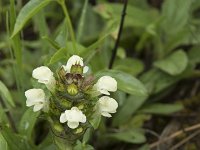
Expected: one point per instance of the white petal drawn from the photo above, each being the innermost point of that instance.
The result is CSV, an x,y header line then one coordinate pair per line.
x,y
106,114
35,94
43,74
63,118
51,83
113,105
75,115
107,104
83,119
85,69
75,108
30,103
75,59
72,125
64,67
103,91
37,107
106,83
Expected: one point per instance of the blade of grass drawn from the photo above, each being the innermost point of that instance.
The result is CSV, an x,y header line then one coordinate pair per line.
x,y
15,49
82,21
69,24
42,27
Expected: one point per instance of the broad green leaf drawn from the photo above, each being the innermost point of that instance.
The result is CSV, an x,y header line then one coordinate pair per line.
x,y
3,143
5,94
174,64
162,109
175,15
194,55
135,136
138,120
27,122
27,12
156,80
129,65
134,17
125,82
87,135
95,119
129,106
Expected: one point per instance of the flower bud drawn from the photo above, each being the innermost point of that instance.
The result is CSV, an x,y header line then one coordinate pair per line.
x,y
78,130
76,69
66,104
58,127
72,89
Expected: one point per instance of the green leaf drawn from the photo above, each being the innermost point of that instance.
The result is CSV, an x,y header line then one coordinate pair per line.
x,y
82,21
180,9
125,82
95,119
135,136
87,135
27,123
174,64
3,143
27,12
135,16
95,45
53,43
5,94
129,65
130,105
194,54
60,54
162,109
15,141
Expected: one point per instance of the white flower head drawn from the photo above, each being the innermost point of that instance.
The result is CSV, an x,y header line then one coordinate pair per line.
x,y
44,75
36,98
73,117
106,84
107,105
73,60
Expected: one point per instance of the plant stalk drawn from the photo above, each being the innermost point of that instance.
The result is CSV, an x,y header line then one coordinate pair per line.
x,y
114,52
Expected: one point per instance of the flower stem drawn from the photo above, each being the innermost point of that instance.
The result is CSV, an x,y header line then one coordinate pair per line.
x,y
114,52
69,23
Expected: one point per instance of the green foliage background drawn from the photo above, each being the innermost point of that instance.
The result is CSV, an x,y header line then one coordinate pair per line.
x,y
157,65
